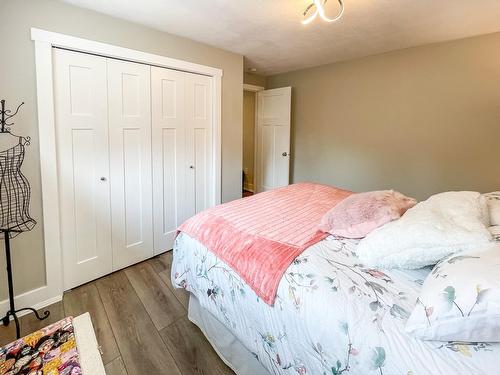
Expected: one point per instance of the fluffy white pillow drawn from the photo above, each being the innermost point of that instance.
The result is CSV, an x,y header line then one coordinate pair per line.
x,y
442,225
493,200
460,299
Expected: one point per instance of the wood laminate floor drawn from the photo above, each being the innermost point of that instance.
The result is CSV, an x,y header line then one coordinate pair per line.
x,y
140,322
246,193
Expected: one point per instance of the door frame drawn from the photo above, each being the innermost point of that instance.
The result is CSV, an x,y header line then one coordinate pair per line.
x,y
44,42
255,89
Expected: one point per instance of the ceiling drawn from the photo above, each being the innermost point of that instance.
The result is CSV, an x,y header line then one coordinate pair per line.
x,y
272,39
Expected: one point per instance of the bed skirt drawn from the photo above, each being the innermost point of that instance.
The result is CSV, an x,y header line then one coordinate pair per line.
x,y
227,346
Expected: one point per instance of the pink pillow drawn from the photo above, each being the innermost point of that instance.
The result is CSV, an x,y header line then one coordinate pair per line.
x,y
359,214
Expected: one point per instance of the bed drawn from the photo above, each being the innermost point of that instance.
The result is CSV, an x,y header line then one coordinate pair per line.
x,y
331,315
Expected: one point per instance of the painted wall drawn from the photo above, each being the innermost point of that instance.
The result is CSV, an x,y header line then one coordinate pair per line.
x,y
421,120
254,79
248,138
17,83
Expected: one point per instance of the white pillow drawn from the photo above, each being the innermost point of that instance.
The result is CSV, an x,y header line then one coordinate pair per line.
x,y
442,225
493,200
460,299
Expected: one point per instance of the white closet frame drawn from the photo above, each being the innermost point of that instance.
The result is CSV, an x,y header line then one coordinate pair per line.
x,y
44,42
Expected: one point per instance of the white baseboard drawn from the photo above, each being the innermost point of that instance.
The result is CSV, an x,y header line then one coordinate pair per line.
x,y
33,298
248,187
50,301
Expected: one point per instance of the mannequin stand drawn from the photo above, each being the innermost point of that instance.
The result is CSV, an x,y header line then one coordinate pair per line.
x,y
12,309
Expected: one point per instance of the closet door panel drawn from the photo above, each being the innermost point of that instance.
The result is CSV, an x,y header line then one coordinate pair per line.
x,y
81,116
168,149
199,142
201,157
132,187
130,161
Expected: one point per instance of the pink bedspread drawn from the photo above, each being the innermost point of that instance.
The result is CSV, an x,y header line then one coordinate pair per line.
x,y
261,235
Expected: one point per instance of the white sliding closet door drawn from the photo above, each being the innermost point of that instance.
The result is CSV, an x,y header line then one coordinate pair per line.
x,y
81,116
130,161
199,143
182,150
169,162
135,159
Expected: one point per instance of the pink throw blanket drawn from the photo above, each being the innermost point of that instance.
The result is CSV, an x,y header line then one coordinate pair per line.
x,y
260,236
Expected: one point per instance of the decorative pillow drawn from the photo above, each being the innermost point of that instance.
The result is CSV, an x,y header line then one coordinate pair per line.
x,y
460,299
359,214
493,200
442,225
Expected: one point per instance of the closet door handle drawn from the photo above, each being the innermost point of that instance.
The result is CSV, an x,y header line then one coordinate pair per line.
x,y
103,178
191,167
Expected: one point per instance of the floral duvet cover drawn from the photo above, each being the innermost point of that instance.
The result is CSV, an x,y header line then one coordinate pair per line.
x,y
331,315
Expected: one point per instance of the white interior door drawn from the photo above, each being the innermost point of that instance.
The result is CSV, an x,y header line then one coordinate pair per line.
x,y
199,143
169,149
272,147
81,116
130,160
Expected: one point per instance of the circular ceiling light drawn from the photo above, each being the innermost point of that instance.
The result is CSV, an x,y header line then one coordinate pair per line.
x,y
317,7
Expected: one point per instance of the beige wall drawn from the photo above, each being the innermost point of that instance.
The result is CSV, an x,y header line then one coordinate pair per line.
x,y
254,79
17,83
248,137
420,120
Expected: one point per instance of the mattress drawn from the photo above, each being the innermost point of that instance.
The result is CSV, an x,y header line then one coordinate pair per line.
x,y
88,348
331,315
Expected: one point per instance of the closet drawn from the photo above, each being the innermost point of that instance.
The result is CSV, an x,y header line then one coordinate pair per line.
x,y
134,159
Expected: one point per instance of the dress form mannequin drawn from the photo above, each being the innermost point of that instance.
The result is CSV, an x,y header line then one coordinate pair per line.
x,y
7,140
14,203
14,187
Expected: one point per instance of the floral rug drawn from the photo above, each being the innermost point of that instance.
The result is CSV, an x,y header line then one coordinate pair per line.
x,y
49,351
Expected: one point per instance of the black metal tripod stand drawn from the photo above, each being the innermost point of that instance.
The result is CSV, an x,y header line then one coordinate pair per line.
x,y
12,309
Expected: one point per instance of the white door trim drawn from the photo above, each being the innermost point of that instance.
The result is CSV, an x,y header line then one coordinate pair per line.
x,y
44,41
252,88
109,50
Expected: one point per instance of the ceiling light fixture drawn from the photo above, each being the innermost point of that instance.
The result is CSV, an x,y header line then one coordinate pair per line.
x,y
317,7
